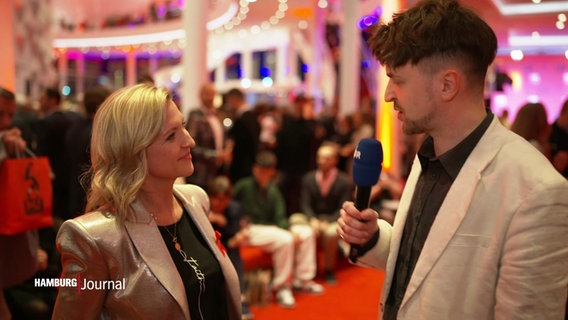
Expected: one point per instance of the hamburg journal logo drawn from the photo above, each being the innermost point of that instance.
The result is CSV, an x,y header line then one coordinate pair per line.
x,y
82,284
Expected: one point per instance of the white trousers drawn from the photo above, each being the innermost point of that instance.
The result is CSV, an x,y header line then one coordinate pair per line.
x,y
288,259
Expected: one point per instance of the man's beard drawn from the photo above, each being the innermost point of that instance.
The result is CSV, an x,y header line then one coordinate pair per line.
x,y
419,126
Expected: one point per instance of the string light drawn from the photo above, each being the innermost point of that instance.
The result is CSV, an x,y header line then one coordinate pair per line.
x,y
244,9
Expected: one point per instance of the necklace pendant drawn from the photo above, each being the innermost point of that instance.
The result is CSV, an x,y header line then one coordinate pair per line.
x,y
177,246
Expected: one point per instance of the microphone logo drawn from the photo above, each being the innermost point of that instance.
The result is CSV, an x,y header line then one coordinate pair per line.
x,y
357,154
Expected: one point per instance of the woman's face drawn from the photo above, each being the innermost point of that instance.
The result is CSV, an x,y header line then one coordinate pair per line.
x,y
169,155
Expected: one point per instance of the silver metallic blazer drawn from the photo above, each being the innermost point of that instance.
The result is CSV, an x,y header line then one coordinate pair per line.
x,y
129,266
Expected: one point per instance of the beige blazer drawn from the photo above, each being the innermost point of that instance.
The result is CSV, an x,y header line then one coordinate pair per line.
x,y
498,246
97,247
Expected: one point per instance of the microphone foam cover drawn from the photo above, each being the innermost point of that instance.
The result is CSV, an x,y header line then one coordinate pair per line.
x,y
367,162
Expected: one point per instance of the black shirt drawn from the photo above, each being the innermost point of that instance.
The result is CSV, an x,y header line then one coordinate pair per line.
x,y
436,178
201,273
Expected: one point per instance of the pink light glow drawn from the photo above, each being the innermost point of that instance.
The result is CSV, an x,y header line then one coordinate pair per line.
x,y
543,77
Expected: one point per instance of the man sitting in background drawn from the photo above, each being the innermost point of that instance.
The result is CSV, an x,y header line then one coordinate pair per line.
x,y
323,192
293,248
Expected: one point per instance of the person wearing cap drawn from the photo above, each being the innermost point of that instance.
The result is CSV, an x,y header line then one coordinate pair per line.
x,y
292,245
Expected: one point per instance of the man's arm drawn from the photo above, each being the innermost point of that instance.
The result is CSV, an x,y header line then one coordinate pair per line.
x,y
533,275
279,206
306,197
11,143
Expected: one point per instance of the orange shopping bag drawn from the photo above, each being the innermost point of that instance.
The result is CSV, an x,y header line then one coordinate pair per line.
x,y
25,195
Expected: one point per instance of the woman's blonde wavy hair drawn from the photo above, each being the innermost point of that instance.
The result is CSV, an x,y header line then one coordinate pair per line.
x,y
124,126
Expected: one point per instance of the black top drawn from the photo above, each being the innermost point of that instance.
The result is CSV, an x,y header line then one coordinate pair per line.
x,y
200,271
436,178
246,137
559,142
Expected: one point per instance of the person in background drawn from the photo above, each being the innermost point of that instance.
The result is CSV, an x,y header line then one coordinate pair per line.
x,y
559,141
243,138
324,190
269,119
293,247
296,137
20,256
205,127
25,119
385,195
480,231
531,123
78,140
146,244
227,218
11,141
342,137
51,132
504,118
146,78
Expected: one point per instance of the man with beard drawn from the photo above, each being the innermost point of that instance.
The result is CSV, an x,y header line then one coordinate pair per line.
x,y
480,232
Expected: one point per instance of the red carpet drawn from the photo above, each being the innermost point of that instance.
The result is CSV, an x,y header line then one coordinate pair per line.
x,y
356,296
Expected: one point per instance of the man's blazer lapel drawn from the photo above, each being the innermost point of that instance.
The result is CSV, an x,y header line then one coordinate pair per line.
x,y
148,241
398,225
454,208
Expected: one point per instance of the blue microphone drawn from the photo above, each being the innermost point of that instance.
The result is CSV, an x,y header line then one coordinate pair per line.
x,y
367,166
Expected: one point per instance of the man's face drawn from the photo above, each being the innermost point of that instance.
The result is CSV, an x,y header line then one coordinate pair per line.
x,y
207,96
7,110
219,202
263,175
326,159
410,89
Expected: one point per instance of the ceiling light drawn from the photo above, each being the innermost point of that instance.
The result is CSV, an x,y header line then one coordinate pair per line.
x,y
245,83
517,55
255,29
530,8
523,41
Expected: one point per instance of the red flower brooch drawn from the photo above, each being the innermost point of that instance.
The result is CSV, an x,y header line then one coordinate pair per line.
x,y
219,244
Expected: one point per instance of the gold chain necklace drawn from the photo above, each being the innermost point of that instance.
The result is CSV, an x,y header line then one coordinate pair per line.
x,y
177,245
192,262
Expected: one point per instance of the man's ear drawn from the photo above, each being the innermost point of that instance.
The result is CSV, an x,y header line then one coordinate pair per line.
x,y
451,81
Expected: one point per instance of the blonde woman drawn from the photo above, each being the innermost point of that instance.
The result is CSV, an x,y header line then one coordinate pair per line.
x,y
145,249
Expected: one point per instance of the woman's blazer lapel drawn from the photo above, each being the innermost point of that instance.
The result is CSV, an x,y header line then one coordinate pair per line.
x,y
147,239
196,202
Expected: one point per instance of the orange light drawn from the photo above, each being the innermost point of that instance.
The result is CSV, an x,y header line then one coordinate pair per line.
x,y
385,134
303,12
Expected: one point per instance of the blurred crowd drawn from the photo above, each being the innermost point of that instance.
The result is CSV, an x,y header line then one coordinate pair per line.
x,y
309,150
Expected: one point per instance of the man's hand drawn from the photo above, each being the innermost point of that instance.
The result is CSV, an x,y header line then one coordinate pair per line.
x,y
13,142
356,227
41,260
217,218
